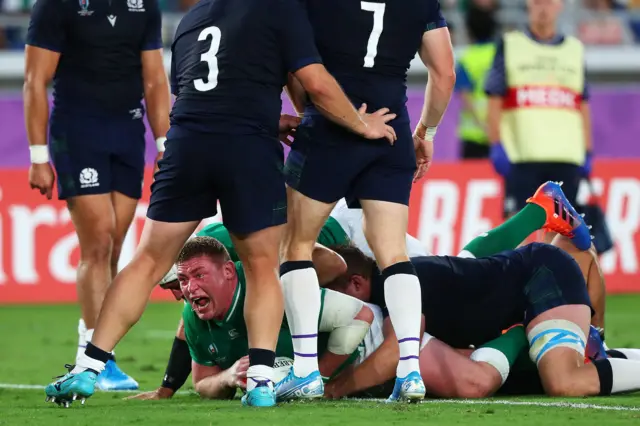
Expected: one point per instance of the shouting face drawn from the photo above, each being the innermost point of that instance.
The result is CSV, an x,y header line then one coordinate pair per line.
x,y
208,286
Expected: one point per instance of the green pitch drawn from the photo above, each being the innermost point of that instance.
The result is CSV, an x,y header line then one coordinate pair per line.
x,y
38,340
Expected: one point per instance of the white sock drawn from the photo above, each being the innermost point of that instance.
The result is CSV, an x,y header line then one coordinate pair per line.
x,y
302,306
259,373
82,339
626,375
83,362
404,301
632,354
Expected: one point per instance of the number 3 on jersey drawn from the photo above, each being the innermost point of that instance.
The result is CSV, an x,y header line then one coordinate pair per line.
x,y
378,27
210,58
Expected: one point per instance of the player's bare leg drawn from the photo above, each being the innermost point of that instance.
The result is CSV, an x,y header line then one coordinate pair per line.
x,y
305,218
385,226
590,266
557,339
263,308
124,304
123,208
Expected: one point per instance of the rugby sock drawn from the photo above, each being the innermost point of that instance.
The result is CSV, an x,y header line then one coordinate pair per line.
x,y
93,358
82,339
502,352
260,367
302,306
618,375
508,235
403,297
632,354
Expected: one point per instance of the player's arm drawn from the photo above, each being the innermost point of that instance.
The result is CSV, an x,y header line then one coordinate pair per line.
x,y
328,264
212,382
45,42
177,372
375,370
436,53
297,94
304,62
156,85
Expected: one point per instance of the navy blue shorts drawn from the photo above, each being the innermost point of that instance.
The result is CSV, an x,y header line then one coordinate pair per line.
x,y
97,155
327,163
471,301
243,173
524,179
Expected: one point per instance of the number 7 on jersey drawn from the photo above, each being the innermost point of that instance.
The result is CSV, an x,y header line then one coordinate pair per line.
x,y
378,27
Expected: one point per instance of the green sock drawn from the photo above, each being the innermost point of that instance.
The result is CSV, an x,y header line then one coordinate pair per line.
x,y
510,344
501,353
510,234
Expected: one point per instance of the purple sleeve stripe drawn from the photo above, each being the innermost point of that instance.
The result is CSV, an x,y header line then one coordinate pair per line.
x,y
409,339
304,336
305,355
404,358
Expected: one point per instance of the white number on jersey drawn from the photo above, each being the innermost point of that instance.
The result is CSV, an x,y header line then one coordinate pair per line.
x,y
210,58
378,27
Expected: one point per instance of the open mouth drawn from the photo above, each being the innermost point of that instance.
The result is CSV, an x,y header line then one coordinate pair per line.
x,y
201,302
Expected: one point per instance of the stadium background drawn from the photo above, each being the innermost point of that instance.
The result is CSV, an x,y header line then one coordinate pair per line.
x,y
455,202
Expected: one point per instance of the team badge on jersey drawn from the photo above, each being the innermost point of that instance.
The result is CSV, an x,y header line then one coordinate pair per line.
x,y
84,8
135,5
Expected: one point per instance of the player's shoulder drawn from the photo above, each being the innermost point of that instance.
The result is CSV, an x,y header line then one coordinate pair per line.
x,y
574,41
54,6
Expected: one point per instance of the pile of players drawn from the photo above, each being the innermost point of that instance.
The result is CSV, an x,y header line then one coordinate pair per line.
x,y
230,60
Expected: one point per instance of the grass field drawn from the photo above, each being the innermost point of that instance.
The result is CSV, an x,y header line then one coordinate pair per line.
x,y
38,340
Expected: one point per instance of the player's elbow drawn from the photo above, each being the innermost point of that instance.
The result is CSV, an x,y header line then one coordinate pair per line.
x,y
33,84
444,76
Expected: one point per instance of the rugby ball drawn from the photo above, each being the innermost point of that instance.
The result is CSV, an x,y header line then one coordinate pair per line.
x,y
172,275
281,368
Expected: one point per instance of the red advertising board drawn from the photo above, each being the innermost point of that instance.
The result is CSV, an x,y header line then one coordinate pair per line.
x,y
456,202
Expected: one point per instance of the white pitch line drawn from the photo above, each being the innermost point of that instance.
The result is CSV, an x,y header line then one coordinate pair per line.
x,y
573,405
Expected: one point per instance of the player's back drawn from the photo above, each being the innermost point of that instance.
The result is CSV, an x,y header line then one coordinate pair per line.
x,y
227,71
369,45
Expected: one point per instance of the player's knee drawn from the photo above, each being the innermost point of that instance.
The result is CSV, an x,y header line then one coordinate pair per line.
x,y
98,248
480,384
563,385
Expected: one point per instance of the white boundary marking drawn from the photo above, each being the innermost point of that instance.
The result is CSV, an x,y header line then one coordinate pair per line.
x,y
573,405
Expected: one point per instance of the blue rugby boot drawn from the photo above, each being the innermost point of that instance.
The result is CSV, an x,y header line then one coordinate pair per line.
x,y
114,379
294,387
71,387
561,216
263,395
595,346
410,388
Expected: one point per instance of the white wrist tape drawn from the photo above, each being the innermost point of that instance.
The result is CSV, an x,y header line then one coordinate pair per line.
x,y
39,154
430,134
160,143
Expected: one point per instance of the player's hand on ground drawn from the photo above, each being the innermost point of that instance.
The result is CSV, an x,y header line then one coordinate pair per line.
x,y
287,127
160,393
424,155
377,127
41,177
332,390
237,374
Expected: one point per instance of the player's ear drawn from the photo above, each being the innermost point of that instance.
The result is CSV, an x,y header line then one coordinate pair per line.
x,y
229,270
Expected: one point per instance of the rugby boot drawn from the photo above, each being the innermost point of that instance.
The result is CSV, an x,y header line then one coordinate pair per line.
x,y
294,387
595,346
561,216
410,388
263,395
71,387
114,379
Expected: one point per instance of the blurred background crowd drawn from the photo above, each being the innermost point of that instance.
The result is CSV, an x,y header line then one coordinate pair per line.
x,y
595,22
